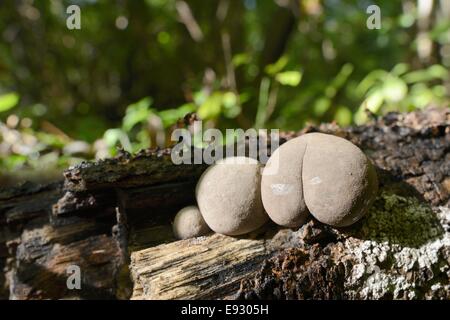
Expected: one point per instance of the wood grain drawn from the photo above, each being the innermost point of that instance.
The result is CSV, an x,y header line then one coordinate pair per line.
x,y
208,267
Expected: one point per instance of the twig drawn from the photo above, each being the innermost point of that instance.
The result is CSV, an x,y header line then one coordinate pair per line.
x,y
188,20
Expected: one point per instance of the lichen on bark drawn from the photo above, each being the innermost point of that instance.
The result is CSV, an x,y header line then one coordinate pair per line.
x,y
400,250
410,262
400,220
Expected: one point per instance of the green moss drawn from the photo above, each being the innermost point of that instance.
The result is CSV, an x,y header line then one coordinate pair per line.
x,y
400,220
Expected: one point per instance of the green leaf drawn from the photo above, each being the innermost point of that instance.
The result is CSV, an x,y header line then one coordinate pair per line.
x,y
374,101
321,106
13,161
434,72
229,99
276,67
289,78
370,81
421,95
439,91
343,116
399,69
342,76
240,59
211,108
406,20
8,101
200,97
360,115
136,113
244,97
394,89
231,108
112,136
171,116
416,76
437,72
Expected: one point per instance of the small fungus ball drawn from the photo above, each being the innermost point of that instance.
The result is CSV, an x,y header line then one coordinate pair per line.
x,y
189,223
322,174
229,196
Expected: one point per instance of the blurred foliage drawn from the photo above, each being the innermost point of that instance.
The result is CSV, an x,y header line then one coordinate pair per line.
x,y
8,101
136,67
401,90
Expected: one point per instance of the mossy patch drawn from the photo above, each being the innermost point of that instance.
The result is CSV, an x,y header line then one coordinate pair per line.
x,y
400,220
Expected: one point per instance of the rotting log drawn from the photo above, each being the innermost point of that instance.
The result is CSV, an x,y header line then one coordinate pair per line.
x,y
202,268
103,212
400,250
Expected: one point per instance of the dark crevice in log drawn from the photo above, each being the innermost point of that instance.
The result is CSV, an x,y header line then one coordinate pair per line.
x,y
297,274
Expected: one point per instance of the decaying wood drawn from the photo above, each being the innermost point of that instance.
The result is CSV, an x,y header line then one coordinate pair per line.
x,y
211,266
41,224
401,253
208,267
401,249
102,212
148,167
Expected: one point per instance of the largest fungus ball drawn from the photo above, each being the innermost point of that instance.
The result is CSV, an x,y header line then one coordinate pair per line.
x,y
321,174
229,196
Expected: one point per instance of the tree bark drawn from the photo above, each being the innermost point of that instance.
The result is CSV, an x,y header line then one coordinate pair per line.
x,y
102,213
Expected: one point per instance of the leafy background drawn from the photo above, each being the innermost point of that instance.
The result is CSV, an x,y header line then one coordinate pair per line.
x,y
136,67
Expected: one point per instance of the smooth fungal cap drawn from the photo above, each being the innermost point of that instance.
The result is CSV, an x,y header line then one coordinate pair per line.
x,y
321,174
189,223
339,181
229,196
281,185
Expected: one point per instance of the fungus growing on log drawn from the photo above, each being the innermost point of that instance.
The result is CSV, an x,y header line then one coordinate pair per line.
x,y
229,196
318,173
189,223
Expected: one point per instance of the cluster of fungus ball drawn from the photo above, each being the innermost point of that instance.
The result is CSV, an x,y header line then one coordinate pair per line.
x,y
318,174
